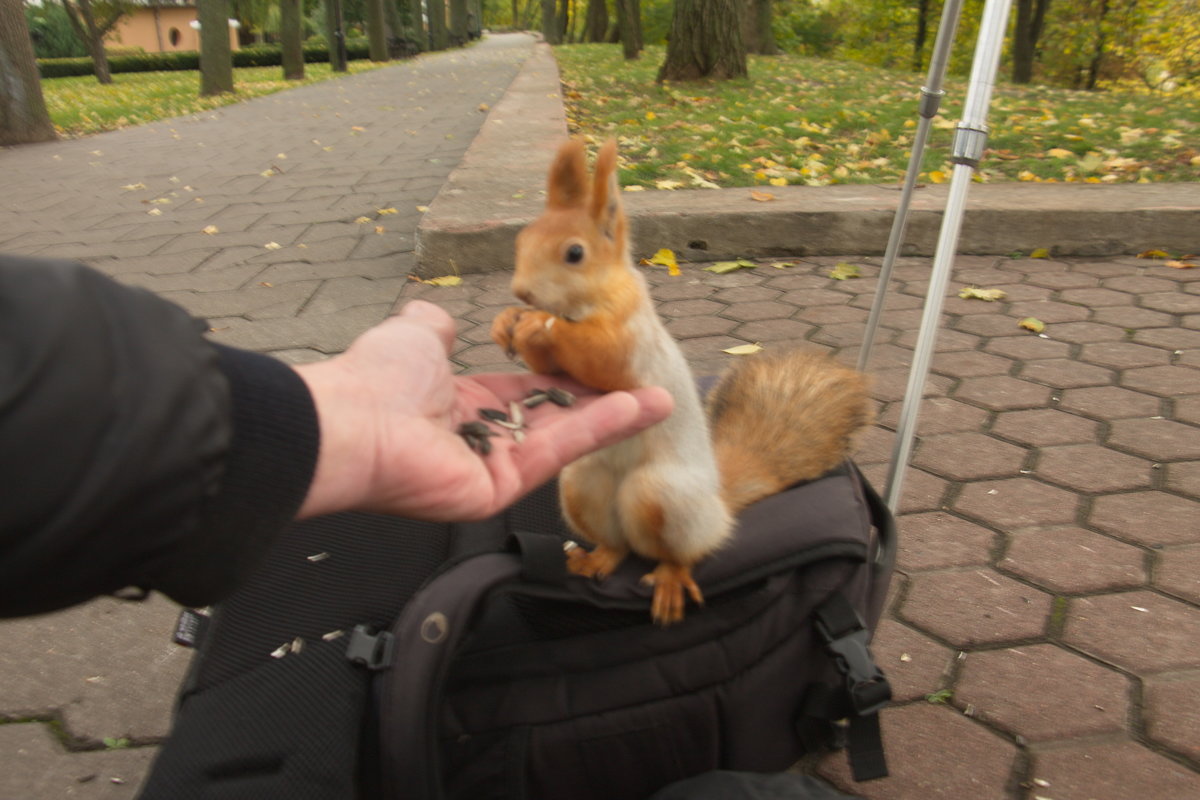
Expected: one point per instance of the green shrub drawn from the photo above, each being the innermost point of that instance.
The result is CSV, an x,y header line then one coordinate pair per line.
x,y
258,56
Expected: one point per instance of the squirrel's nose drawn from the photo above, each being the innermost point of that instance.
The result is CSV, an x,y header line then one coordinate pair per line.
x,y
524,295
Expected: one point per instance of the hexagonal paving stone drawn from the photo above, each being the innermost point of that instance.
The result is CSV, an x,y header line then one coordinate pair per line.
x,y
1138,284
1092,468
1158,439
1095,298
1123,355
482,354
1168,338
1167,381
1130,318
975,607
688,327
686,290
1172,712
1050,311
1148,518
815,297
933,752
838,335
1167,631
1043,692
970,363
774,330
947,340
1028,347
746,294
761,309
1066,373
687,308
914,664
994,324
1172,302
1084,332
1124,770
1102,269
920,491
827,315
939,415
967,456
1110,402
1178,572
1042,427
889,385
1187,409
1002,393
935,540
1073,560
1184,478
1063,280
1017,503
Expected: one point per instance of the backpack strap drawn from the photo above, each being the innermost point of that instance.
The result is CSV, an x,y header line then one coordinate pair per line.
x,y
865,692
434,624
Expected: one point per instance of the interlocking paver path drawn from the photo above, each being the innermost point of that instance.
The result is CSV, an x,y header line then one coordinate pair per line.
x,y
1048,593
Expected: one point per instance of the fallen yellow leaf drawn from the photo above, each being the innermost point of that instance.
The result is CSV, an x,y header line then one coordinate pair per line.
x,y
1041,252
363,220
1180,264
844,270
445,280
211,229
975,293
155,212
635,188
937,176
778,181
664,258
272,245
379,229
1032,324
668,185
133,187
761,197
422,209
722,267
388,211
1059,152
744,349
1153,254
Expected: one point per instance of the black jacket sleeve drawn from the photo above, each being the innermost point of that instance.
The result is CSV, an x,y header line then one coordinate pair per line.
x,y
133,452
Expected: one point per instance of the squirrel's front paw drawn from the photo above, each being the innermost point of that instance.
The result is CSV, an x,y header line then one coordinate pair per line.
x,y
503,326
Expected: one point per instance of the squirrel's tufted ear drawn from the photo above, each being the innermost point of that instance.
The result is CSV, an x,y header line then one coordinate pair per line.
x,y
606,193
568,183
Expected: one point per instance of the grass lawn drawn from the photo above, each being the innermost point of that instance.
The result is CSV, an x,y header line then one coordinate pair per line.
x,y
79,105
801,120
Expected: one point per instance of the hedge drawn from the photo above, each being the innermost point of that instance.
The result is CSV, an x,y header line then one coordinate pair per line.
x,y
258,56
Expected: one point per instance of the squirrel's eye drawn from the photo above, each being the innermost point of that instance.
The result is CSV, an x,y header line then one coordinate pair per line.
x,y
574,254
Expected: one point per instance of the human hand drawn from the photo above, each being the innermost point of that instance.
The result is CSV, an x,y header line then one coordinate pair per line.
x,y
389,411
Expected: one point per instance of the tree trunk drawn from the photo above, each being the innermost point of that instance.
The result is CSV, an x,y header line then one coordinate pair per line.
x,y
629,23
550,23
922,34
1093,73
705,42
23,115
335,35
458,22
91,30
757,34
596,27
376,31
216,56
1031,14
564,12
417,23
438,34
291,40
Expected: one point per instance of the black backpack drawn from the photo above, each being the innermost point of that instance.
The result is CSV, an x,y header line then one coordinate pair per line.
x,y
373,656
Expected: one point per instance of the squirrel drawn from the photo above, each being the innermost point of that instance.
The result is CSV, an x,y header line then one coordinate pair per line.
x,y
669,494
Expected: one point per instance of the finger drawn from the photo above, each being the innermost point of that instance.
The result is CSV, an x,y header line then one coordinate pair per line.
x,y
433,317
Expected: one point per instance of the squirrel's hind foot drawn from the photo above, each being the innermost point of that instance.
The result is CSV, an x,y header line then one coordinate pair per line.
x,y
670,581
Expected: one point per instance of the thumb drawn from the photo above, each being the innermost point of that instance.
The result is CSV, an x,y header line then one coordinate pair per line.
x,y
432,317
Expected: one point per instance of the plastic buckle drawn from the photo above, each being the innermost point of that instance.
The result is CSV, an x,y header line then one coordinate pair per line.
x,y
866,684
371,650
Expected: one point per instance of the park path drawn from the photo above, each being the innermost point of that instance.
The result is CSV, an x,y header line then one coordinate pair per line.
x,y
317,171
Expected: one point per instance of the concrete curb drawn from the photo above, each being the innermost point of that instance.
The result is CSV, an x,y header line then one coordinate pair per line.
x,y
498,188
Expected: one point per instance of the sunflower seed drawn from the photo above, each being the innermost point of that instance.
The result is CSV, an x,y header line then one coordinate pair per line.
x,y
535,399
518,436
315,557
516,414
560,397
329,637
474,428
493,415
282,650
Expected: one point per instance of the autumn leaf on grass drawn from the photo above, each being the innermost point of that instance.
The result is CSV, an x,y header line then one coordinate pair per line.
x,y
669,186
744,349
1181,264
937,176
721,267
975,293
1059,152
445,280
1032,324
664,258
761,197
1153,254
844,270
778,181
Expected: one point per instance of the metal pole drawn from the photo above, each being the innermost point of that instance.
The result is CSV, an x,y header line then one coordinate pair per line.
x,y
931,96
969,143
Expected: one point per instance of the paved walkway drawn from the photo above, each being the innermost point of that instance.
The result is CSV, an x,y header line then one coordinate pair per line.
x,y
1048,595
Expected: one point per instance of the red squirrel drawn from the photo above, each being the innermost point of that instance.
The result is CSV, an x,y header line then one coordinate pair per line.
x,y
669,494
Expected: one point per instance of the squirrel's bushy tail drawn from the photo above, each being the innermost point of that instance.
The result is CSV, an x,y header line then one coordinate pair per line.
x,y
779,419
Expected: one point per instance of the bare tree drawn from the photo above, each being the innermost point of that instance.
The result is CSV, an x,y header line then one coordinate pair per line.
x,y
291,39
216,55
92,21
705,42
23,115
